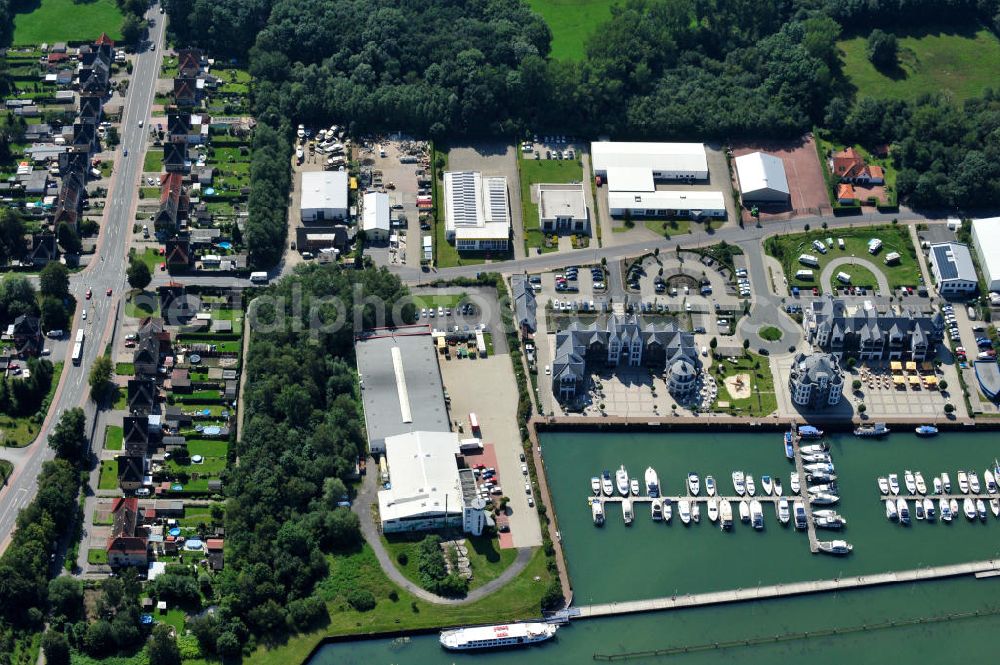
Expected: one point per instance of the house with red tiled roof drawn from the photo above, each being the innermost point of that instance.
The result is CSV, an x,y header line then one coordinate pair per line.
x,y
174,203
128,543
846,194
104,40
850,167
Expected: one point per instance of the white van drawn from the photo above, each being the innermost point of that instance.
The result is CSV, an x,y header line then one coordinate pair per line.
x,y
843,278
809,260
820,247
804,274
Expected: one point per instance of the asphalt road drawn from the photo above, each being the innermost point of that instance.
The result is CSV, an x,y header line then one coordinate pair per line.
x,y
101,275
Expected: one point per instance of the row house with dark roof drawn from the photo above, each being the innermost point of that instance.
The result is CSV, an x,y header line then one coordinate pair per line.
x,y
174,204
189,62
128,543
131,469
136,437
43,249
185,91
175,157
26,334
71,197
141,396
178,253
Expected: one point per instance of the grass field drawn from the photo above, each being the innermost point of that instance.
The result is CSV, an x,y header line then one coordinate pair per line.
x,y
535,171
963,63
6,468
571,23
21,431
433,302
770,333
109,475
113,437
97,557
860,276
67,21
762,400
486,559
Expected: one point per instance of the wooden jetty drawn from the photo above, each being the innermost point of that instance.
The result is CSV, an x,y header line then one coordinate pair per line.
x,y
804,494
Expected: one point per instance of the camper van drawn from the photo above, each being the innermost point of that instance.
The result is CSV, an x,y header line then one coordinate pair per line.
x,y
820,247
874,245
892,258
809,260
804,275
843,278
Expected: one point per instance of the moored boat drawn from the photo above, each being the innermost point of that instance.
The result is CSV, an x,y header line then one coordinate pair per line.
x,y
883,485
838,547
890,510
621,480
725,515
498,636
751,486
799,511
652,482
783,510
656,510
918,479
963,482
597,512
875,431
696,511
926,430
938,485
713,510
995,506
684,511
668,509
820,477
903,508
813,458
953,504
894,483
819,467
811,448
830,488
710,485
606,485
766,484
778,490
929,509
974,485
739,483
756,514
789,447
595,485
981,509
911,484
969,508
824,499
633,486
810,432
990,480
744,511
918,509
627,511
694,484
945,507
794,484
825,522
946,482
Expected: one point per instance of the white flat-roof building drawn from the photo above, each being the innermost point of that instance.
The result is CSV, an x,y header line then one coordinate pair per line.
x,y
630,179
375,215
324,196
762,178
954,272
427,489
563,207
666,161
667,203
477,211
986,240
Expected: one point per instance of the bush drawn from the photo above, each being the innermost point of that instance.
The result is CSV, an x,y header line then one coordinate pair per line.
x,y
402,559
361,599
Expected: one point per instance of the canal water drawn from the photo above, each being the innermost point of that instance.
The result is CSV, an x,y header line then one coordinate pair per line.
x,y
616,563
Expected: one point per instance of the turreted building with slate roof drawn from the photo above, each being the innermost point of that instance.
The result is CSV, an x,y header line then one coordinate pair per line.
x,y
816,380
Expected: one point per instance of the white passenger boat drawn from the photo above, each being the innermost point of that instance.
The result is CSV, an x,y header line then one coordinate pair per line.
x,y
498,636
894,483
751,486
918,478
656,510
945,507
595,485
597,512
890,510
799,511
684,511
784,510
756,514
813,448
929,509
694,485
606,485
725,515
744,511
627,511
938,485
995,506
778,490
668,509
820,477
621,480
824,499
816,458
838,547
766,484
819,467
990,480
794,484
633,485
946,482
918,509
713,510
823,489
824,522
953,504
903,508
963,482
969,508
739,483
652,482
911,484
883,485
710,485
830,514
974,485
695,511
981,509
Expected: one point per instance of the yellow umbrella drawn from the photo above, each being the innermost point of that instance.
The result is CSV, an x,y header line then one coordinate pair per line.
x,y
911,366
896,366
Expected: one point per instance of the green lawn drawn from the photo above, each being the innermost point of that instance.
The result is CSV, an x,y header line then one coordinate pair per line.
x,y
146,303
436,301
788,248
207,447
124,369
860,276
572,22
109,475
113,437
485,557
209,466
961,62
102,521
520,599
532,172
770,333
153,162
762,400
17,432
68,21
97,556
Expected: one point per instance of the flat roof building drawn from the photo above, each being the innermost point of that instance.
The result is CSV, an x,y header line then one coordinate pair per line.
x,y
324,196
477,211
986,240
375,216
563,207
666,161
954,272
401,387
667,203
762,178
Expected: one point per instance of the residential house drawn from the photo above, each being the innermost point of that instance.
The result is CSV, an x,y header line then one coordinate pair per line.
x,y
38,132
175,157
178,254
130,472
525,307
90,107
128,543
146,357
135,433
73,161
85,137
865,333
174,203
178,125
315,238
180,381
70,202
849,165
204,238
177,306
152,327
26,334
43,249
846,194
203,175
185,92
816,380
189,62
141,396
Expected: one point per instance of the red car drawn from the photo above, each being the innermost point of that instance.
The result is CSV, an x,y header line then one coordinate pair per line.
x,y
109,292
89,294
815,291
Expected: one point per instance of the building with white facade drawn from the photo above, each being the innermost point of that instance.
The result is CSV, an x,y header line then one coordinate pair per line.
x,y
665,161
986,240
324,196
667,203
477,211
562,208
954,272
816,380
762,178
375,216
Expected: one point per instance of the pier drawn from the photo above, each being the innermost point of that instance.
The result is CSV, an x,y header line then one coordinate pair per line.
x,y
804,493
976,568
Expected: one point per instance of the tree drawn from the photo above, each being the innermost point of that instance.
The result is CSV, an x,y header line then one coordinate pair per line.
x,y
949,408
856,384
138,274
98,640
101,373
53,281
882,49
65,595
132,29
69,239
334,491
227,645
69,438
943,385
713,343
17,297
862,408
162,647
54,314
56,648
12,244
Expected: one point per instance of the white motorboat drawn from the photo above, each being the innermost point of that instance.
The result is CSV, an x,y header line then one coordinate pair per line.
x,y
794,484
756,514
981,508
621,480
694,485
627,511
827,522
695,511
597,512
778,490
838,547
744,511
929,509
963,482
606,485
821,477
826,512
824,499
668,509
813,448
820,467
938,485
656,510
633,485
595,485
713,510
953,504
918,510
911,484
799,511
819,458
969,508
883,485
710,485
890,510
945,507
946,482
684,511
784,510
995,506
739,483
725,515
767,485
652,482
990,480
751,486
823,489
894,483
918,478
903,508
974,485
496,637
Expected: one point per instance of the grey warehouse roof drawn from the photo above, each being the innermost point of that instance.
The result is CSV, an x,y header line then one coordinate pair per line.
x,y
525,308
954,261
